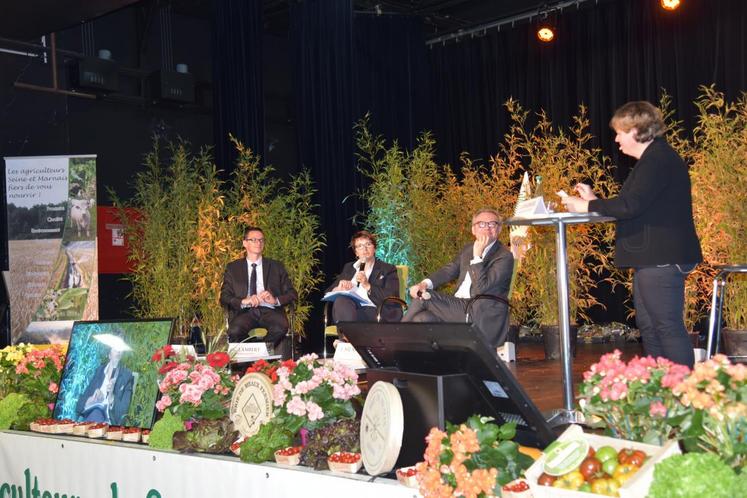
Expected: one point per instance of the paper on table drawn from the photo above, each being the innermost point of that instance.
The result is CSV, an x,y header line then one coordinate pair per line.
x,y
363,301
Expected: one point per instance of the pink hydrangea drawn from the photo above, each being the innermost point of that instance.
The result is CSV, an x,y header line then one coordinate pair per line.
x,y
314,411
296,406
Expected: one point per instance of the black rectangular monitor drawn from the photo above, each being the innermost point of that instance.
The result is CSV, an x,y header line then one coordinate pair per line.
x,y
444,349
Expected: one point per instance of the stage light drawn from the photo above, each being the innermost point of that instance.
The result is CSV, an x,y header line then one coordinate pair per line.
x,y
545,33
670,4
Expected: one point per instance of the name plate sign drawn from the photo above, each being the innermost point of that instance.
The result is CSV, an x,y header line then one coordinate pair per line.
x,y
346,354
241,351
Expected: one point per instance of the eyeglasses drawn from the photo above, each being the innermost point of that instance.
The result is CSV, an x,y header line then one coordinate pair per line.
x,y
364,245
256,241
487,224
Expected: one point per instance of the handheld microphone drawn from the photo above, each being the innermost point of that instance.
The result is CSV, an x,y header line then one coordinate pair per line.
x,y
361,265
425,295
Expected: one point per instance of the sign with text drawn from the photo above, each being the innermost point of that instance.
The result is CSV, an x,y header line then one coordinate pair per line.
x,y
48,466
53,277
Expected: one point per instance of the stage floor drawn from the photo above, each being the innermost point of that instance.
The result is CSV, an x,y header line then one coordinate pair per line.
x,y
541,378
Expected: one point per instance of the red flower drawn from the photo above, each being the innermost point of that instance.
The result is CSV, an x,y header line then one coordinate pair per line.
x,y
289,364
167,367
168,351
157,356
218,360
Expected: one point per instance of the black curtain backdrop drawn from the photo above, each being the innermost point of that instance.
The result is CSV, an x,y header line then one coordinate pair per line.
x,y
321,33
603,57
238,100
391,76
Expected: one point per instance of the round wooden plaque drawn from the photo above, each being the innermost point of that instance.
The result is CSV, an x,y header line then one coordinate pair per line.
x,y
251,403
382,424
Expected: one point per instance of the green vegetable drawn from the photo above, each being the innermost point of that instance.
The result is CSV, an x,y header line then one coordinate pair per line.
x,y
10,407
162,435
342,435
17,411
261,447
207,436
695,475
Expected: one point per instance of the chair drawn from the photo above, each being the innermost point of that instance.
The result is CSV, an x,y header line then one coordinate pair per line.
x,y
330,329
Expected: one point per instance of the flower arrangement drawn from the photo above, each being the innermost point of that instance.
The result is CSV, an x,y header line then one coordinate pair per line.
x,y
193,389
32,371
269,369
716,392
472,459
310,394
633,400
307,395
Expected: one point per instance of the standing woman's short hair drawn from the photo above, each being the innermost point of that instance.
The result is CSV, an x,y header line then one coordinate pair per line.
x,y
641,115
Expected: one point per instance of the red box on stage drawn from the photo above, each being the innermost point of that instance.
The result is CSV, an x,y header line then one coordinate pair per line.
x,y
113,247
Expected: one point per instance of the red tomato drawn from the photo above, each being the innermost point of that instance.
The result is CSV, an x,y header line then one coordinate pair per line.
x,y
546,479
635,457
589,467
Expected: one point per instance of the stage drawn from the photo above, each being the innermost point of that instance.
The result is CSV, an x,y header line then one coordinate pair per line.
x,y
541,378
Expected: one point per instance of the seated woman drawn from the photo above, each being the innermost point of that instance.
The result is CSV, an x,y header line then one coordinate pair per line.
x,y
369,277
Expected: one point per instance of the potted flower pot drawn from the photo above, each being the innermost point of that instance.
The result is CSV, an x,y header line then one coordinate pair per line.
x,y
735,342
551,341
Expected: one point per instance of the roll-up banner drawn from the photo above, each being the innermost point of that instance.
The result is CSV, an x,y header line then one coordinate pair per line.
x,y
52,254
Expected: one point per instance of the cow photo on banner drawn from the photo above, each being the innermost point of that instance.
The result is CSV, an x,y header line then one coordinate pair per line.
x,y
52,256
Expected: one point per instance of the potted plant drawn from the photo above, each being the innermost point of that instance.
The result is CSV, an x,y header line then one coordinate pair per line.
x,y
198,393
475,458
308,395
634,400
719,188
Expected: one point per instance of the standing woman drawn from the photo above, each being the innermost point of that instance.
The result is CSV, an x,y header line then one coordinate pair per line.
x,y
655,232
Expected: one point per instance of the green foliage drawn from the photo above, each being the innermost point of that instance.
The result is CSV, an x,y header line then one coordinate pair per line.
x,y
163,228
17,411
342,435
162,435
497,450
188,225
261,447
10,408
719,189
695,475
386,194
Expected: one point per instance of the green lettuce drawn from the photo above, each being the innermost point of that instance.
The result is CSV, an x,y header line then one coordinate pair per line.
x,y
695,475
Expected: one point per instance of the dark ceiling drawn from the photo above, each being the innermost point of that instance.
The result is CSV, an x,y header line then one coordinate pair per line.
x,y
25,19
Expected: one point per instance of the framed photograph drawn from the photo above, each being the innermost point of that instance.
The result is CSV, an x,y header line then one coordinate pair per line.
x,y
108,375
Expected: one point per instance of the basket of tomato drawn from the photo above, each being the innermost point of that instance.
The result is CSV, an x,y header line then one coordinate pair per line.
x,y
583,465
343,461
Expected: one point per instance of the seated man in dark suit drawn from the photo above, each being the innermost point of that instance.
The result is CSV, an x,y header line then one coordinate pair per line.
x,y
254,291
370,278
484,266
107,397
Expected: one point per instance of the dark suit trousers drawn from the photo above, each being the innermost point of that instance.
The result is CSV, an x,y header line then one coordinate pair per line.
x,y
659,298
273,320
439,308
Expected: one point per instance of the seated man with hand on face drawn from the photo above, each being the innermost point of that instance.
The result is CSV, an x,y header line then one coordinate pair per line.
x,y
484,266
254,291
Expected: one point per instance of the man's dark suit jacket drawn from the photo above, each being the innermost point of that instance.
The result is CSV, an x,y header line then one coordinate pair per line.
x,y
236,284
492,276
123,386
384,283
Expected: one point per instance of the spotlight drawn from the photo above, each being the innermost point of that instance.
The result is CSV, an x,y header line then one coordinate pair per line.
x,y
670,4
545,33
